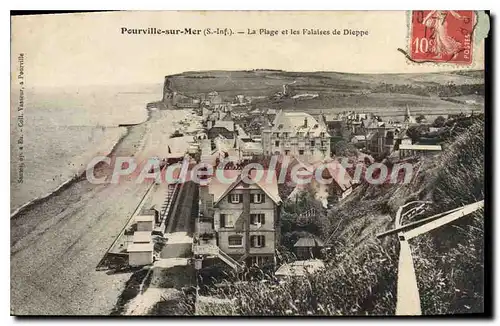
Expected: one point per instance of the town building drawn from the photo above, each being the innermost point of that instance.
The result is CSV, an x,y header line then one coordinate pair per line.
x,y
336,181
140,254
141,249
381,139
406,150
408,118
239,219
296,134
222,128
402,139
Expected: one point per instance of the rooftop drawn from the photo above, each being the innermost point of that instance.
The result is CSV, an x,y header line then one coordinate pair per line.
x,y
417,147
332,168
229,125
309,242
227,180
140,247
144,218
294,122
142,237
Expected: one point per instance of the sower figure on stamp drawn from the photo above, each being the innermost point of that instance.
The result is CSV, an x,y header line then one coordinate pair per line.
x,y
445,44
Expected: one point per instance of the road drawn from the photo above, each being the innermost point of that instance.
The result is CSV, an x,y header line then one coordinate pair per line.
x,y
56,244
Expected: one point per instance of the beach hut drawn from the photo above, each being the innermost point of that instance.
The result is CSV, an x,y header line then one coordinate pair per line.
x,y
142,237
308,247
145,222
140,254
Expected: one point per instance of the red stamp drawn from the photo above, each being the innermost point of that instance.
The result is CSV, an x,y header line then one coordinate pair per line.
x,y
442,36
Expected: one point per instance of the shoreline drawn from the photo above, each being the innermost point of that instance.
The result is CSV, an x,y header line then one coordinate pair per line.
x,y
76,178
57,242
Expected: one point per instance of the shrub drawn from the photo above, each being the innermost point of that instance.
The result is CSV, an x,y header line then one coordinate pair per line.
x,y
349,285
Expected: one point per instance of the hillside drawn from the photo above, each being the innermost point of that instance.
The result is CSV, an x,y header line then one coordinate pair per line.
x,y
424,93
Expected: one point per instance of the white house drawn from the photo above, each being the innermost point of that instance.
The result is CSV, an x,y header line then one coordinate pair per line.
x,y
296,134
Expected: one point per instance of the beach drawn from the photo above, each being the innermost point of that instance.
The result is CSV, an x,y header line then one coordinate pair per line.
x,y
64,128
57,242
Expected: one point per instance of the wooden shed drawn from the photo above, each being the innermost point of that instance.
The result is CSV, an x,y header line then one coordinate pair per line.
x,y
145,222
140,254
308,248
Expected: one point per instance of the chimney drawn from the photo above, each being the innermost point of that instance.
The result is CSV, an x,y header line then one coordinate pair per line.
x,y
305,122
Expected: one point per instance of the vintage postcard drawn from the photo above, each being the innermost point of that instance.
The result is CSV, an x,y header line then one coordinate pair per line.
x,y
248,163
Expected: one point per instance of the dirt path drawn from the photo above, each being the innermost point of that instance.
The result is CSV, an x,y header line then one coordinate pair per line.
x,y
56,244
143,303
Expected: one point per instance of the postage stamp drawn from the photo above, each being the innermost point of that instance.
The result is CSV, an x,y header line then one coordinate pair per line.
x,y
442,36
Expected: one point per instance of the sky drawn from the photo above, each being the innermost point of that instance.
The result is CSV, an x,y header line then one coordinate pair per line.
x,y
89,49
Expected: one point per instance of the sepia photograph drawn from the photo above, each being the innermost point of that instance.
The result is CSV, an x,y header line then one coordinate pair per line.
x,y
249,163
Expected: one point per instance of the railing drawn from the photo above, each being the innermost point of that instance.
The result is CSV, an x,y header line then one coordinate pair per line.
x,y
408,296
213,250
230,261
206,249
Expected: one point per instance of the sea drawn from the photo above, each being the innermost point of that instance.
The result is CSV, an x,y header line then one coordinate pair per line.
x,y
62,129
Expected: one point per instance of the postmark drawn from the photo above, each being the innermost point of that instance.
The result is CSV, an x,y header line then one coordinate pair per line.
x,y
442,36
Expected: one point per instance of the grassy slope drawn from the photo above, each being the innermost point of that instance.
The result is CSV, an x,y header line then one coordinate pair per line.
x,y
449,261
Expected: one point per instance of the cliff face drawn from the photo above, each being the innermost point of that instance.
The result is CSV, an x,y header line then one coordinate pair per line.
x,y
167,89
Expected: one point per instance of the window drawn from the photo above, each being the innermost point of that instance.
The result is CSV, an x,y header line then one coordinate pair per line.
x,y
235,198
258,198
322,134
226,221
257,219
276,143
285,135
258,241
235,240
300,134
259,261
287,151
312,143
301,152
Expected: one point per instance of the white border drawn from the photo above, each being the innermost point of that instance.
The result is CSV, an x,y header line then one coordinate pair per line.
x,y
208,5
